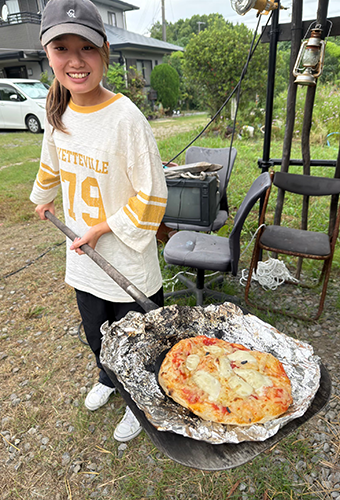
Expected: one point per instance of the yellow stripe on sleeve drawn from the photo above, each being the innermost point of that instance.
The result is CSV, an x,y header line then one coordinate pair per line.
x,y
47,178
146,210
49,169
139,224
49,186
155,199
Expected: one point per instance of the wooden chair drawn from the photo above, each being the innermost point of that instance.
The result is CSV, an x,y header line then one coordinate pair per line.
x,y
299,242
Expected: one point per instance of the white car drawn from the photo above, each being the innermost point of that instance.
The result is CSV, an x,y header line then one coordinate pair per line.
x,y
22,104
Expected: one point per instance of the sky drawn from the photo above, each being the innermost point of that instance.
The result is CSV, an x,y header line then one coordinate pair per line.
x,y
149,12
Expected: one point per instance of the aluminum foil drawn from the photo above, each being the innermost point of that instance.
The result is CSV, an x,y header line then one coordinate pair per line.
x,y
133,346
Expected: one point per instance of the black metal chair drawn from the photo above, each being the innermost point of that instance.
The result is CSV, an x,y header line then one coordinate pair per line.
x,y
220,156
299,242
210,252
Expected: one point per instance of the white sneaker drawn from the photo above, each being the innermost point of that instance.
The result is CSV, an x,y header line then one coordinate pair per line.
x,y
98,396
128,427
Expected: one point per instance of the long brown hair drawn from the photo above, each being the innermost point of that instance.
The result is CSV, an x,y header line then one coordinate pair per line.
x,y
58,96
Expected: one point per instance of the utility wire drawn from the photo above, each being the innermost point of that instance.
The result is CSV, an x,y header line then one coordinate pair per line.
x,y
32,261
236,88
243,74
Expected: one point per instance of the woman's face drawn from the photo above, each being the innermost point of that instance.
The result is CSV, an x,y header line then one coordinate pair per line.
x,y
78,66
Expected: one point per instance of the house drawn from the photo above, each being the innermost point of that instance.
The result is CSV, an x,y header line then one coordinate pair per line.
x,y
21,54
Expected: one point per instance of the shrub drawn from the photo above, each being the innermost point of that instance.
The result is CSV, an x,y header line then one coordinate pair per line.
x,y
130,83
115,78
326,113
45,79
188,93
165,81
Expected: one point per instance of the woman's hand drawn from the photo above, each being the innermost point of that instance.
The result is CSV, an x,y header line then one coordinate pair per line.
x,y
41,209
91,237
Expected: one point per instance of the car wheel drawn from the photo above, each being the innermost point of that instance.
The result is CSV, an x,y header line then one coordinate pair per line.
x,y
33,124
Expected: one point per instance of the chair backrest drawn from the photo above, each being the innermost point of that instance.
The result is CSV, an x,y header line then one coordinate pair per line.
x,y
256,191
307,185
221,156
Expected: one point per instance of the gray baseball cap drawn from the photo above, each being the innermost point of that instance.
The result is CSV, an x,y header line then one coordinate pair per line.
x,y
75,17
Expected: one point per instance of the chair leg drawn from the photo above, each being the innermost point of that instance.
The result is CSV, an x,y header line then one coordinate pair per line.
x,y
326,270
323,271
200,290
199,287
192,288
218,280
253,265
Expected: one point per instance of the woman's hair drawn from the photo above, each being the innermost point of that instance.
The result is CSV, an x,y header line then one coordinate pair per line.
x,y
58,96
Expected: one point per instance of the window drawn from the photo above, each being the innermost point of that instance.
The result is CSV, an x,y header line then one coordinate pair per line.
x,y
13,6
145,67
112,18
6,91
16,72
35,90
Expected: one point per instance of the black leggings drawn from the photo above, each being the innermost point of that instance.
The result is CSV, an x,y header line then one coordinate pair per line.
x,y
94,312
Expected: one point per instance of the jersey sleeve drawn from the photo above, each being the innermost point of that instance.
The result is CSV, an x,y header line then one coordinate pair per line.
x,y
47,182
137,222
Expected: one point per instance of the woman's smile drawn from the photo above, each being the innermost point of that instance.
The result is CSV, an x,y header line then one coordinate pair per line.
x,y
78,76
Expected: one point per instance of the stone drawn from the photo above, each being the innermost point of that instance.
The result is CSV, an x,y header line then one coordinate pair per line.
x,y
65,459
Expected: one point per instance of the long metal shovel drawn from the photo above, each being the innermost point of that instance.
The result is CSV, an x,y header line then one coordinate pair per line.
x,y
111,271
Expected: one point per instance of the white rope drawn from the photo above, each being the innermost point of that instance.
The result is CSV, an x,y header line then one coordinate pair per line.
x,y
270,274
257,230
201,176
174,280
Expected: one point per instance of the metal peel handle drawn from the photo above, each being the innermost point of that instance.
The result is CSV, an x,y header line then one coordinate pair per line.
x,y
123,282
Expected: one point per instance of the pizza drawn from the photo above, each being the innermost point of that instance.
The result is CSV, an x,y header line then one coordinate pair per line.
x,y
225,382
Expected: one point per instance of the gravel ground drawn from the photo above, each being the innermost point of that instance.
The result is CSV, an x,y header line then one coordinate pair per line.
x,y
17,301
322,431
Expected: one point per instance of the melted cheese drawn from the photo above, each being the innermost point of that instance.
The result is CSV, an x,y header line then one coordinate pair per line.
x,y
240,386
215,349
254,378
192,362
242,356
224,367
207,383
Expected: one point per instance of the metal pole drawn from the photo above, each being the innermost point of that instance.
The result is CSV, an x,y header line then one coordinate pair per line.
x,y
199,25
163,22
296,36
274,36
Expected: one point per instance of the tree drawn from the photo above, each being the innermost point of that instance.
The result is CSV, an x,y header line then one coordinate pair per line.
x,y
214,59
282,66
165,81
181,32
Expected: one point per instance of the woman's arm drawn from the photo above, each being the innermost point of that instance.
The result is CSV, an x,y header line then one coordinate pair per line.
x,y
41,209
90,237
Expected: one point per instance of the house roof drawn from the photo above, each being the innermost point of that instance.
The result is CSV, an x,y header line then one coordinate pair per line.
x,y
118,4
121,39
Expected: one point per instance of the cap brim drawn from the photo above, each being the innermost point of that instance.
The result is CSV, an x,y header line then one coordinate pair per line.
x,y
72,29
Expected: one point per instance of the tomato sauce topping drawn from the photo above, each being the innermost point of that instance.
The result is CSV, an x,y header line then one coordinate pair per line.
x,y
209,341
190,396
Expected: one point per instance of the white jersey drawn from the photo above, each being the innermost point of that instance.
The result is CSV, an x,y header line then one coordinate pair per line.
x,y
109,169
